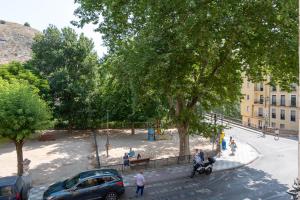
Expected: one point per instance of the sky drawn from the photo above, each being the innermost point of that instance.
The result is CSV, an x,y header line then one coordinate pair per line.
x,y
40,13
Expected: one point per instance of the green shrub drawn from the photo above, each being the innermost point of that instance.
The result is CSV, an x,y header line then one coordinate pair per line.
x,y
26,24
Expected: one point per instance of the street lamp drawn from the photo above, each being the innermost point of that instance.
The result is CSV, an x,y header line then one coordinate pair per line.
x,y
107,145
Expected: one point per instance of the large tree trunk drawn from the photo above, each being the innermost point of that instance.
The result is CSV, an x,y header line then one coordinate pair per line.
x,y
19,147
184,147
132,128
182,127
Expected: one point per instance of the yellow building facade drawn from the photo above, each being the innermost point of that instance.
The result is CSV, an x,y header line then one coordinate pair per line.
x,y
265,106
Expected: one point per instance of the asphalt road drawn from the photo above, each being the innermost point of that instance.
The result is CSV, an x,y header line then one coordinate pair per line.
x,y
267,178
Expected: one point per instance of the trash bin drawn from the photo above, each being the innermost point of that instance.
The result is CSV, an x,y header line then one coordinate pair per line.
x,y
151,134
223,144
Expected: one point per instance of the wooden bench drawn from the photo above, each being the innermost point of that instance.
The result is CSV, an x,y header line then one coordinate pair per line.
x,y
47,137
138,162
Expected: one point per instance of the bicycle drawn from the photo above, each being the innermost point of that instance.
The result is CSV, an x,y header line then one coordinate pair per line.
x,y
261,134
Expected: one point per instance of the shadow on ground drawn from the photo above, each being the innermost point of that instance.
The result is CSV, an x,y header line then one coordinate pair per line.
x,y
241,184
51,160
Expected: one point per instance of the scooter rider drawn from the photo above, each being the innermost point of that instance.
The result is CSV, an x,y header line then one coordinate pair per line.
x,y
199,159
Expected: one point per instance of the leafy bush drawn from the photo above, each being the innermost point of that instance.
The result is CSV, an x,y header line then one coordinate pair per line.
x,y
2,22
27,24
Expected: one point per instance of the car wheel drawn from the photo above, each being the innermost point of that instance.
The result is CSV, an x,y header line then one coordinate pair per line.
x,y
111,196
208,171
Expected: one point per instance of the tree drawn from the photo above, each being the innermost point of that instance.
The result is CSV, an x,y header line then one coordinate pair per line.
x,y
16,71
22,113
70,64
119,96
27,24
196,52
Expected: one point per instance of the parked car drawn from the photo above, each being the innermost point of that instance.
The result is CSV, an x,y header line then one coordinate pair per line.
x,y
13,188
95,184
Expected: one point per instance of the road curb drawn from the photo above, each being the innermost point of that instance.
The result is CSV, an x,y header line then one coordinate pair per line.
x,y
218,170
242,165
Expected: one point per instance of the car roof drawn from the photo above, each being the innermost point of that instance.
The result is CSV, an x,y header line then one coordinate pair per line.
x,y
98,172
9,180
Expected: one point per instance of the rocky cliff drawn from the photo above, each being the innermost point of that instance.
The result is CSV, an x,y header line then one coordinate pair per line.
x,y
15,42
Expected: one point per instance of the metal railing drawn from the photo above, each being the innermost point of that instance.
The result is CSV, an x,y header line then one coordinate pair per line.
x,y
158,163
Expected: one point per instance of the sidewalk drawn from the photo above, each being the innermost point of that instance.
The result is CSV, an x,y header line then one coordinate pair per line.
x,y
245,154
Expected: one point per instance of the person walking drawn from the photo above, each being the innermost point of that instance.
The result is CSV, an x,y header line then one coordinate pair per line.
x,y
140,183
233,147
126,160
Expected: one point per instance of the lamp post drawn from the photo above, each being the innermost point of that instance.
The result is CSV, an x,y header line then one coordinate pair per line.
x,y
107,145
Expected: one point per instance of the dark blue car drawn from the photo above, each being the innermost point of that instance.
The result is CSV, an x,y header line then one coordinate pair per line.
x,y
95,184
13,188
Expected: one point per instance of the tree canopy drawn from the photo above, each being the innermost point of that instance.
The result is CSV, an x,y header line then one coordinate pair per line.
x,y
70,65
16,71
22,112
196,52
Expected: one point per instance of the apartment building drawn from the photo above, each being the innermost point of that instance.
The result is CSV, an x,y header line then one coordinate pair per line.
x,y
265,106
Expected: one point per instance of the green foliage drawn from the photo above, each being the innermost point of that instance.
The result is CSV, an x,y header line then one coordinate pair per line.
x,y
121,99
70,64
3,140
16,71
195,52
22,111
230,110
27,24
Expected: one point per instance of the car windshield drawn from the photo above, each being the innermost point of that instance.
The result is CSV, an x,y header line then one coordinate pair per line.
x,y
5,191
69,183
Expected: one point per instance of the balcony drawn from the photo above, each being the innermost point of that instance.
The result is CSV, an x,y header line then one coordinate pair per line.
x,y
259,115
258,89
261,101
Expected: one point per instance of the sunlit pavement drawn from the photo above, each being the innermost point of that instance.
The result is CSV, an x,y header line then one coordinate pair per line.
x,y
266,178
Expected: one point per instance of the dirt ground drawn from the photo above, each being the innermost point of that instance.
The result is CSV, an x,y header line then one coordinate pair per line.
x,y
52,161
121,141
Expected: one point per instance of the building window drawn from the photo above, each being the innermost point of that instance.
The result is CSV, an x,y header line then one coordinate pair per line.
x,y
282,100
260,112
249,122
247,108
248,84
282,126
293,115
273,113
248,97
261,85
274,100
260,124
261,99
273,88
282,114
293,100
273,125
